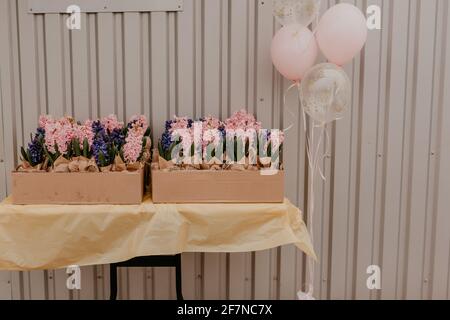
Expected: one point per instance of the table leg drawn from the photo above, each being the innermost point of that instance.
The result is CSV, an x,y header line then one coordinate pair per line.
x,y
147,261
113,281
178,276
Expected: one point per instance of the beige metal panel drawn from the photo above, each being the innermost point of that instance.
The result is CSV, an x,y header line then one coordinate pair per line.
x,y
440,289
251,62
67,104
10,85
367,162
185,63
214,276
211,56
197,50
10,284
192,275
55,90
41,73
5,285
381,134
94,100
238,46
132,62
119,67
96,6
343,150
434,145
106,65
5,276
80,70
239,276
2,149
172,67
395,113
27,42
420,152
406,147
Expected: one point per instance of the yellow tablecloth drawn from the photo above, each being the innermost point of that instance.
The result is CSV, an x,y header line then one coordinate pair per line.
x,y
55,236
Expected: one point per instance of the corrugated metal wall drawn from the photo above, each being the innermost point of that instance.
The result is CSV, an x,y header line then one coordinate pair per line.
x,y
386,200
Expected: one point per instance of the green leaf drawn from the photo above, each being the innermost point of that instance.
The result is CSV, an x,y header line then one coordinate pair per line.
x,y
235,146
147,132
49,156
160,150
76,147
210,152
24,154
57,153
238,150
169,152
269,149
121,154
275,155
29,157
86,148
112,153
101,159
69,151
192,151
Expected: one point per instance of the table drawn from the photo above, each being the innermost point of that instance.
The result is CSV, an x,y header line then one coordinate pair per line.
x,y
56,236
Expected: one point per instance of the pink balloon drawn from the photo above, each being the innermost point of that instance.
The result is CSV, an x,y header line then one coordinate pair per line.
x,y
341,33
294,51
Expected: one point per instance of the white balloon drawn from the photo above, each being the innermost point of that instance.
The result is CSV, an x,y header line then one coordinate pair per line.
x,y
303,12
326,93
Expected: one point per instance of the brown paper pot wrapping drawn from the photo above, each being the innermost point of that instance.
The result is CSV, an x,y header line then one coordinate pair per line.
x,y
83,164
134,166
166,165
25,166
191,166
61,165
236,167
74,165
119,165
106,168
92,166
265,162
212,164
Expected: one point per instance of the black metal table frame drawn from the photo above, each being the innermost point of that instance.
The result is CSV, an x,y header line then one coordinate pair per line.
x,y
147,261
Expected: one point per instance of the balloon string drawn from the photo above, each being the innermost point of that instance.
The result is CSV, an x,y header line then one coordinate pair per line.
x,y
315,168
313,165
308,142
295,84
313,154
